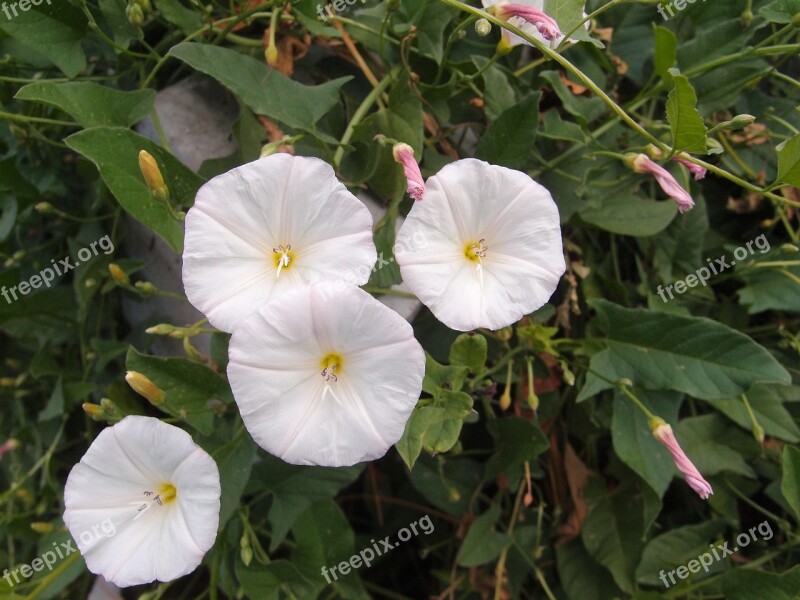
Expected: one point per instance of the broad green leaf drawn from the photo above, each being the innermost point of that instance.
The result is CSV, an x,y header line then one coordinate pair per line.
x,y
90,104
118,26
185,19
516,441
469,350
556,128
569,14
437,376
679,248
630,214
8,215
448,485
266,91
432,20
235,461
509,140
702,439
677,547
483,544
790,482
324,538
294,489
695,355
499,95
612,534
275,580
115,152
582,576
665,54
54,29
585,110
753,584
188,387
780,11
633,439
789,161
767,405
688,128
434,427
769,289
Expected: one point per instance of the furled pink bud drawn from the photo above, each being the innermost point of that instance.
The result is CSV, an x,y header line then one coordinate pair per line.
x,y
404,154
641,164
8,446
696,170
663,433
546,25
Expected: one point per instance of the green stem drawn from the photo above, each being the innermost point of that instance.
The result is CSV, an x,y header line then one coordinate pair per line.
x,y
361,112
27,119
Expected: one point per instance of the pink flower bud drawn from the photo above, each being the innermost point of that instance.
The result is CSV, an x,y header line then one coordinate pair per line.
x,y
642,164
404,154
663,433
546,25
696,170
8,446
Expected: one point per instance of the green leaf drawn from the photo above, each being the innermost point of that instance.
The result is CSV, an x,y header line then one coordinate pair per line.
x,y
53,29
554,127
581,576
790,482
115,152
90,104
629,214
509,140
751,584
185,19
482,543
188,386
694,355
677,547
633,439
295,488
569,14
612,534
789,161
434,427
688,128
437,376
585,110
665,53
118,26
516,441
767,405
769,289
275,581
469,350
702,440
499,94
266,91
780,11
235,461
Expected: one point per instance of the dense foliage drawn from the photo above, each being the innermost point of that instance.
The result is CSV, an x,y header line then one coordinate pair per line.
x,y
530,451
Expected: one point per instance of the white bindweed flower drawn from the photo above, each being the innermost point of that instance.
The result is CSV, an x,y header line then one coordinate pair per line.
x,y
270,226
325,375
535,30
143,502
493,248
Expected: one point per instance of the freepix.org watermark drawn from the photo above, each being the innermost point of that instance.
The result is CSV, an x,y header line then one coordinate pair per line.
x,y
24,6
48,274
367,555
88,538
703,274
718,552
677,4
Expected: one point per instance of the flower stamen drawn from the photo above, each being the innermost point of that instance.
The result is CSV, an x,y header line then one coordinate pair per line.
x,y
476,252
283,256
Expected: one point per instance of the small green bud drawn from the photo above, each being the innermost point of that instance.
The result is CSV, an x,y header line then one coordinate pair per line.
x,y
135,14
483,27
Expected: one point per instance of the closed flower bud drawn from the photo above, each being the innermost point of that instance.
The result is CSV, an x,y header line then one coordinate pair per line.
x,y
272,55
135,15
663,433
483,27
152,174
118,275
42,527
8,446
160,329
95,411
404,155
44,208
144,387
145,288
113,413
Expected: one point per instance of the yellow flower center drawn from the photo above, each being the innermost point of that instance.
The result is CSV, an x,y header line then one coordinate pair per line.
x,y
283,258
167,493
475,251
331,366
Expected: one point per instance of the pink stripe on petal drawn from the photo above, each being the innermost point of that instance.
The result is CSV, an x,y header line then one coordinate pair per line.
x,y
663,433
404,154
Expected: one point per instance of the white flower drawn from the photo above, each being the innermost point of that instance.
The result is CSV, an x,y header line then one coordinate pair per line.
x,y
268,227
143,502
325,375
529,28
493,246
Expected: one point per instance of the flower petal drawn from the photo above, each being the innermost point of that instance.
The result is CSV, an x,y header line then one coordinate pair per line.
x,y
240,217
467,202
289,407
